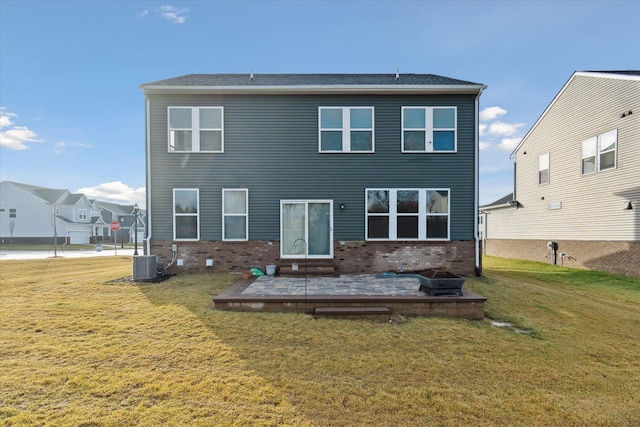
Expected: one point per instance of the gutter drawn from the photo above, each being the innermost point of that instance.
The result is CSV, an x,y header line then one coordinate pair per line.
x,y
477,183
148,172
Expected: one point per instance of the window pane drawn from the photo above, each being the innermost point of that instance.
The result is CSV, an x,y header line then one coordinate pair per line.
x,y
235,227
210,118
210,140
589,147
319,229
414,118
378,201
443,140
180,140
331,118
437,227
407,201
378,227
186,201
331,141
361,141
407,227
414,140
361,118
543,177
186,227
180,118
608,140
293,229
589,165
607,160
543,161
444,118
438,201
235,202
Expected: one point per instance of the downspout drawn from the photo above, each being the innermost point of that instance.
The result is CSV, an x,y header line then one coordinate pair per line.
x,y
477,184
148,173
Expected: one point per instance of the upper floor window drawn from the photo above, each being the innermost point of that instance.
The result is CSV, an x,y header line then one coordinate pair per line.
x,y
543,168
82,214
346,129
599,152
407,214
235,212
429,129
196,129
186,214
12,213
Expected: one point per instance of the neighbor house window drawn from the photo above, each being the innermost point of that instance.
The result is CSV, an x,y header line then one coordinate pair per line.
x,y
82,214
407,214
599,152
235,211
196,129
346,129
429,129
12,213
543,168
186,214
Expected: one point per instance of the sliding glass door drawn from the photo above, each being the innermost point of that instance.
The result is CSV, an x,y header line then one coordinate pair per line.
x,y
306,228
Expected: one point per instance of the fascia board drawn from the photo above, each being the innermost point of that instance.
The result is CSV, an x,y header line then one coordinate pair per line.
x,y
495,207
316,89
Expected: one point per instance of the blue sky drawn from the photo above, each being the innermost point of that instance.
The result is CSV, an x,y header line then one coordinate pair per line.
x,y
72,115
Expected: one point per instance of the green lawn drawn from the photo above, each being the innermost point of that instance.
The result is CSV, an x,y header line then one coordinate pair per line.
x,y
77,350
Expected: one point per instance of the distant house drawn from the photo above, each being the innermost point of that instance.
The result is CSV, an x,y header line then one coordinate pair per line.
x,y
576,199
33,214
367,172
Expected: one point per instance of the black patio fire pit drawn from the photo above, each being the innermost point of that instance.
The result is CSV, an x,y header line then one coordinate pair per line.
x,y
434,282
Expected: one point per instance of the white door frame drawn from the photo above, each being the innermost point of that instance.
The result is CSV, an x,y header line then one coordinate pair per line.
x,y
306,203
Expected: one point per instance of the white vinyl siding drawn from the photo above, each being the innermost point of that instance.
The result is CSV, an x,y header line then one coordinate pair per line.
x,y
235,214
429,129
407,214
186,214
346,130
196,129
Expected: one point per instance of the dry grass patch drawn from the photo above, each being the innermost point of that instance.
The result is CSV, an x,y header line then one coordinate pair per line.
x,y
77,350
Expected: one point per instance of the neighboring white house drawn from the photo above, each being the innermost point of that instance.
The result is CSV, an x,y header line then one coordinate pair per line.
x,y
33,214
576,199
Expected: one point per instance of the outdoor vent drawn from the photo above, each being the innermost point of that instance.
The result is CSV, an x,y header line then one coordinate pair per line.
x,y
144,267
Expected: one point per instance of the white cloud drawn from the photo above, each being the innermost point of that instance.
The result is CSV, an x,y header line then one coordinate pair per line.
x,y
115,192
491,113
483,145
60,146
176,15
482,128
504,129
14,137
509,144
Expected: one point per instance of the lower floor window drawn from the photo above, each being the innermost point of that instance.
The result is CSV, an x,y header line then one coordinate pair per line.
x,y
186,214
235,204
411,214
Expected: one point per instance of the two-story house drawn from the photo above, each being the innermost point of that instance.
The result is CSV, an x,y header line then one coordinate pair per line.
x,y
576,198
370,172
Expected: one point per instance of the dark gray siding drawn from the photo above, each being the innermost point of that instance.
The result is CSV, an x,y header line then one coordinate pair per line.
x,y
271,148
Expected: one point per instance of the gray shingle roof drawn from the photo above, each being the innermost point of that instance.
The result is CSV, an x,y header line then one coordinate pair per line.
x,y
257,80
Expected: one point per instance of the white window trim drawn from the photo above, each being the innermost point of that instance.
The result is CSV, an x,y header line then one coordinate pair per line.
x,y
346,129
429,129
597,140
246,214
195,129
393,214
82,214
544,158
176,214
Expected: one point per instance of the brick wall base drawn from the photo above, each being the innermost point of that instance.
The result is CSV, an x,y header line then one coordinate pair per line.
x,y
609,256
350,257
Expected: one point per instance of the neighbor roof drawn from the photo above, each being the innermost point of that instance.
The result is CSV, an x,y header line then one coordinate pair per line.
x,y
310,82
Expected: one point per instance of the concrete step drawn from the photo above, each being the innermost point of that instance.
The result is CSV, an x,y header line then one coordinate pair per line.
x,y
352,311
